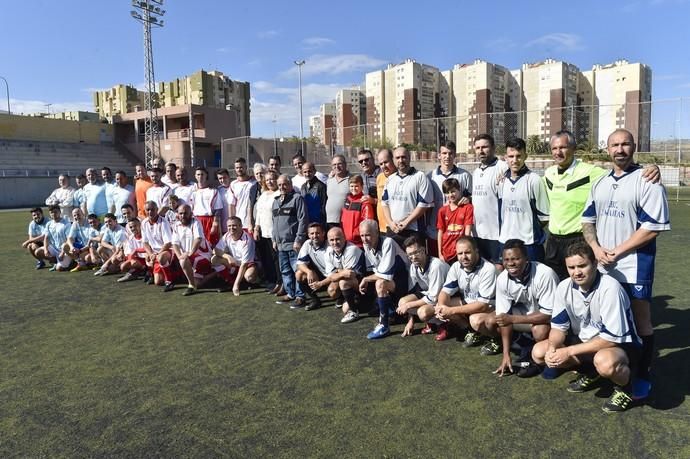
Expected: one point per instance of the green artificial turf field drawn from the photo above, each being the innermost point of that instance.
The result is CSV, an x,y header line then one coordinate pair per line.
x,y
93,368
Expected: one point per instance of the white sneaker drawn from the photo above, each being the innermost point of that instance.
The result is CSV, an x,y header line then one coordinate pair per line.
x,y
127,277
351,316
100,272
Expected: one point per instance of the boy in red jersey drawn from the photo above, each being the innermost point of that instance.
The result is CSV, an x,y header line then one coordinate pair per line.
x,y
355,211
454,221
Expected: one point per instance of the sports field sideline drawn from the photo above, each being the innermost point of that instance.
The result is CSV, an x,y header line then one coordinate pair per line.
x,y
89,367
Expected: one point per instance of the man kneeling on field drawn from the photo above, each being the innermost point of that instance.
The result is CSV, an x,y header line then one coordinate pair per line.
x,y
524,298
311,266
427,275
236,251
388,268
469,292
344,265
592,324
193,252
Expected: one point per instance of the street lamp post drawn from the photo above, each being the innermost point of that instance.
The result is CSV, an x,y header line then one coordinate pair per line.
x,y
7,86
275,144
299,64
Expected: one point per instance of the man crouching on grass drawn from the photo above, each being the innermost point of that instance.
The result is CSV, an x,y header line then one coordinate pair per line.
x,y
592,328
236,252
194,252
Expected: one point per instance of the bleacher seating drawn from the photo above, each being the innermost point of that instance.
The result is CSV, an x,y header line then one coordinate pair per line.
x,y
28,157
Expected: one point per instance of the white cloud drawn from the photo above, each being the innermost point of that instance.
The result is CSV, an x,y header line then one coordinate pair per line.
x,y
223,50
559,41
25,107
683,86
316,42
320,64
266,34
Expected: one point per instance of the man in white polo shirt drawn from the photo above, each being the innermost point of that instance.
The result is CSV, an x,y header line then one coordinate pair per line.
x,y
236,251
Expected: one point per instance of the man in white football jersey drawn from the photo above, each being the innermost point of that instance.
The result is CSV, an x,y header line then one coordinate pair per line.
x,y
469,292
427,275
206,206
524,299
194,252
184,187
63,196
387,267
134,252
120,194
623,216
54,241
485,181
311,264
243,189
35,232
159,191
344,266
407,197
523,202
112,238
236,251
156,234
592,329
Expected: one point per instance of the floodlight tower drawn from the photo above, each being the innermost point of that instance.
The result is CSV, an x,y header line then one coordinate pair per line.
x,y
149,13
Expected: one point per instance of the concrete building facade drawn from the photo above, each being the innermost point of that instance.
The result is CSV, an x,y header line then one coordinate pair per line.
x,y
483,97
624,92
403,102
350,113
548,87
207,89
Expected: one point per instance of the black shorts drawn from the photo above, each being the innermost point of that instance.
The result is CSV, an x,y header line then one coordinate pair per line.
x,y
555,249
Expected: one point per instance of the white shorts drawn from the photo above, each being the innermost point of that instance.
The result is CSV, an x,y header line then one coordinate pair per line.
x,y
66,260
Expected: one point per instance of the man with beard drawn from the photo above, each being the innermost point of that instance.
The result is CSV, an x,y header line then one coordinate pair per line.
x,y
623,216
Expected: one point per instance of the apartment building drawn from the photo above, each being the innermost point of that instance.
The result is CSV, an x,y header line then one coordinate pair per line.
x,y
548,87
624,92
402,103
118,100
350,114
483,94
207,89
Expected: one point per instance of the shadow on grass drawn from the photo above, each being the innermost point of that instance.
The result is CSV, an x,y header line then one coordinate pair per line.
x,y
671,369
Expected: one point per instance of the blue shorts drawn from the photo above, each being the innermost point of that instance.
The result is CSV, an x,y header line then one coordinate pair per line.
x,y
638,291
489,249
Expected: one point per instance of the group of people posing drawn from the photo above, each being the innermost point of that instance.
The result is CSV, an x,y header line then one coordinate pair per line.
x,y
558,269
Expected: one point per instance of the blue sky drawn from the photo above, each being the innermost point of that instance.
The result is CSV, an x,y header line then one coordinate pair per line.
x,y
59,52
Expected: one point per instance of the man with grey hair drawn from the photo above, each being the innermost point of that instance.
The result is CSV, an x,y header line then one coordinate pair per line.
x,y
568,183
